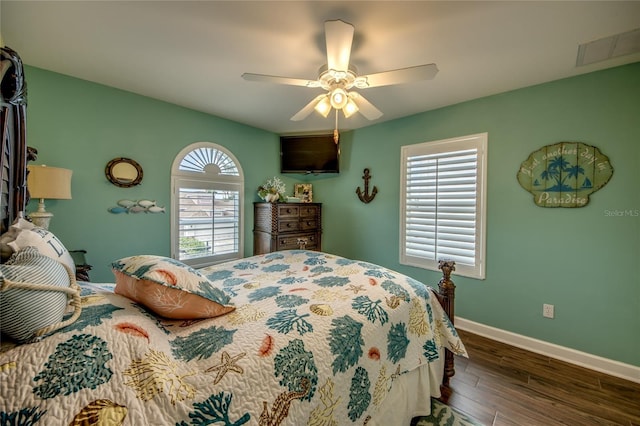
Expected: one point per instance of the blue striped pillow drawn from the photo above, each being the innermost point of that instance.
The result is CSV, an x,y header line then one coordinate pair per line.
x,y
24,311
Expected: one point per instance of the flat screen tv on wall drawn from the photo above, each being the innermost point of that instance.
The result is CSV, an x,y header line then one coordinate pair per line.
x,y
309,154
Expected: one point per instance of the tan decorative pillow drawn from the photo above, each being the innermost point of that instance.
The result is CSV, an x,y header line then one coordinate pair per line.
x,y
169,288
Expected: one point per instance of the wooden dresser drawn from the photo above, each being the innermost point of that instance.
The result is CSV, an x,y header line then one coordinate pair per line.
x,y
284,226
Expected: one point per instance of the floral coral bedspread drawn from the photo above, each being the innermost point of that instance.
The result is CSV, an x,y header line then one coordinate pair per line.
x,y
316,339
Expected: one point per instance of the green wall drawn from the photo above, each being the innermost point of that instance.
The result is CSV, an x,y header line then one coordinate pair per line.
x,y
585,261
80,125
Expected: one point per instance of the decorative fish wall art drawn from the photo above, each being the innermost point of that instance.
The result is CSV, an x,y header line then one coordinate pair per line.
x,y
140,206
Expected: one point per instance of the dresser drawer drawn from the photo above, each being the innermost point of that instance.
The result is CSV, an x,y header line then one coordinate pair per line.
x,y
308,224
288,211
306,211
288,225
294,241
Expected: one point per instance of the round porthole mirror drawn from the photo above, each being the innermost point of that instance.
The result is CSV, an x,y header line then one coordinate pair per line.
x,y
123,172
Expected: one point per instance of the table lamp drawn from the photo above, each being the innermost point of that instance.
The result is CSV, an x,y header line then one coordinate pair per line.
x,y
50,183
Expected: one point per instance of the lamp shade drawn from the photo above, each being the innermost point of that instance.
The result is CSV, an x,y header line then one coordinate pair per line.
x,y
350,108
49,182
323,106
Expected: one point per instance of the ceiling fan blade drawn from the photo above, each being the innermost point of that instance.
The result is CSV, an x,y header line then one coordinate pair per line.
x,y
365,107
339,36
399,76
308,108
280,80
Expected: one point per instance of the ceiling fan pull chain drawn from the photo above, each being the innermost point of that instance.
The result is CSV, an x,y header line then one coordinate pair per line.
x,y
336,135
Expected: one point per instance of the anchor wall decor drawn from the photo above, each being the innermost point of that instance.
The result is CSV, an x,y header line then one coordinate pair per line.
x,y
366,197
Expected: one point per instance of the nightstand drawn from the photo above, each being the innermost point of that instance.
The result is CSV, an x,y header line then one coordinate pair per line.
x,y
82,268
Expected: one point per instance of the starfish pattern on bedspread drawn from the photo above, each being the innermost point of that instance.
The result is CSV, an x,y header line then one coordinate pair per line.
x,y
227,363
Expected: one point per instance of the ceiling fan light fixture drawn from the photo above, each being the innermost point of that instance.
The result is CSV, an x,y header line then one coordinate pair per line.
x,y
350,108
338,98
323,107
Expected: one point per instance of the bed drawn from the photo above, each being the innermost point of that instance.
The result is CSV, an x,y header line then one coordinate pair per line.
x,y
305,337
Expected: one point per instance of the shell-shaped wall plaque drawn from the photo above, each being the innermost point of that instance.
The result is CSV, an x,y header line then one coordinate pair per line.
x,y
564,174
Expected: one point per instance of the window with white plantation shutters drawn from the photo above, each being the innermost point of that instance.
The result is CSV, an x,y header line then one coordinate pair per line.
x,y
206,204
443,187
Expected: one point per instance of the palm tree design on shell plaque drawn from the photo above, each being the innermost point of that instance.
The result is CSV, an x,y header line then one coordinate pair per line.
x,y
560,171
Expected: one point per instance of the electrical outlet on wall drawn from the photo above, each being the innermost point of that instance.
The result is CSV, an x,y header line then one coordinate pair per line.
x,y
547,310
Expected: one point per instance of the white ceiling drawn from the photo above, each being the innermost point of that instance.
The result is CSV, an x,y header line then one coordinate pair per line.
x,y
193,53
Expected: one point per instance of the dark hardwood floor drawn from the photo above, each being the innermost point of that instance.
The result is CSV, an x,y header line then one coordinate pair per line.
x,y
503,385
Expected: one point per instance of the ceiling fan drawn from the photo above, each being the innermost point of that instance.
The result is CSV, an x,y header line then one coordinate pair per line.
x,y
338,77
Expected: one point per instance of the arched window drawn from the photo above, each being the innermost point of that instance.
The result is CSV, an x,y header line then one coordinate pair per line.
x,y
206,205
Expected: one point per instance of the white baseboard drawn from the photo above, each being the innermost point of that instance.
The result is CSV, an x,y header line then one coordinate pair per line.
x,y
583,359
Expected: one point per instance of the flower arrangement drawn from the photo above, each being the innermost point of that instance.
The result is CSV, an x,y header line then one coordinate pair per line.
x,y
272,190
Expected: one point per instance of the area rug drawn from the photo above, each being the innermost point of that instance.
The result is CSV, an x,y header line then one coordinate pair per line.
x,y
444,415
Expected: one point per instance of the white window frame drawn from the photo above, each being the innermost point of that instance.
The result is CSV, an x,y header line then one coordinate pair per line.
x,y
440,149
205,175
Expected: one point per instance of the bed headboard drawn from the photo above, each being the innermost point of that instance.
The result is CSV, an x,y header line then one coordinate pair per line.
x,y
13,158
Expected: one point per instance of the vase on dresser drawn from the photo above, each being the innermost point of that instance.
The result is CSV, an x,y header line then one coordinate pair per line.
x,y
272,198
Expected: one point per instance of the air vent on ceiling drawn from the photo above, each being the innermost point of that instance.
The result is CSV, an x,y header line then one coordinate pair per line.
x,y
609,47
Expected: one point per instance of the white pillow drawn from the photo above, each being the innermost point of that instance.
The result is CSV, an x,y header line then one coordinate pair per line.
x,y
29,235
